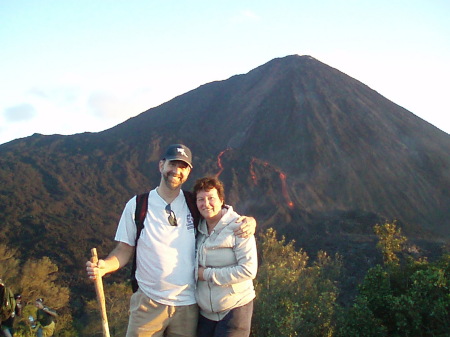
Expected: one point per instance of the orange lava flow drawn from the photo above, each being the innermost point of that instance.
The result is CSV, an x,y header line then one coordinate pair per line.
x,y
219,162
281,174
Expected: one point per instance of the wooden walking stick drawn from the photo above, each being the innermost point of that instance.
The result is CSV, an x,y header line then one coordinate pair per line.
x,y
100,295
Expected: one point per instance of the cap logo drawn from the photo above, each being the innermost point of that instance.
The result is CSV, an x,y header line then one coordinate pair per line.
x,y
181,150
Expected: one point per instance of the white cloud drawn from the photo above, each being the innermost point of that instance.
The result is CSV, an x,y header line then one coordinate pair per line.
x,y
245,16
19,113
35,91
106,105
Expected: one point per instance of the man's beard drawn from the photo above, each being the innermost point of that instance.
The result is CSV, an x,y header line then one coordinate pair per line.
x,y
172,182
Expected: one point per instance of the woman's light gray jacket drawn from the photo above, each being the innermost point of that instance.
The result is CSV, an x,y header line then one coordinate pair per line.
x,y
231,264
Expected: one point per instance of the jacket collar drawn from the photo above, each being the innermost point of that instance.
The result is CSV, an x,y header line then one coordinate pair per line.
x,y
229,217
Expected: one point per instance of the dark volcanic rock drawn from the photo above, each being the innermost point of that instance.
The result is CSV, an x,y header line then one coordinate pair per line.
x,y
301,146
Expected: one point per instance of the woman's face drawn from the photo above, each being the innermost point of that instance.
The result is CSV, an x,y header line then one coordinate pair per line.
x,y
209,203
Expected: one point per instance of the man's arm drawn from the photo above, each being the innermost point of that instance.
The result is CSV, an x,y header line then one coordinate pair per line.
x,y
18,309
247,228
47,310
118,258
50,312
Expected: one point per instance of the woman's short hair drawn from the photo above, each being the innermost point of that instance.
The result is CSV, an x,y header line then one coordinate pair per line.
x,y
207,184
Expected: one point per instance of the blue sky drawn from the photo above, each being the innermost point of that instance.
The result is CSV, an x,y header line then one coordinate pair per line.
x,y
72,66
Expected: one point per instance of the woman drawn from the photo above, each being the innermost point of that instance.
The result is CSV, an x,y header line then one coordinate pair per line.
x,y
226,266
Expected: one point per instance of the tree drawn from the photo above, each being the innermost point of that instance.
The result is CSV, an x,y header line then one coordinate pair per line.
x,y
33,279
293,299
405,297
117,297
391,241
38,279
8,265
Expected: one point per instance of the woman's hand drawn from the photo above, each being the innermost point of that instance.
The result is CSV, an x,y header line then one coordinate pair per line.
x,y
201,270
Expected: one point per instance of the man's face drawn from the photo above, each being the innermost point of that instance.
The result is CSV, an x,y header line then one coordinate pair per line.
x,y
174,173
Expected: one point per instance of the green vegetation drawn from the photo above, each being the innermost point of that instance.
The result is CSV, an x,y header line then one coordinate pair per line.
x,y
34,279
405,296
292,297
117,297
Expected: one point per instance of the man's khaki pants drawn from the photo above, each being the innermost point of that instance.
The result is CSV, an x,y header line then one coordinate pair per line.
x,y
152,319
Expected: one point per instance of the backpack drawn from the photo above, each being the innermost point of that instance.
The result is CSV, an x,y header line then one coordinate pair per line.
x,y
7,302
139,217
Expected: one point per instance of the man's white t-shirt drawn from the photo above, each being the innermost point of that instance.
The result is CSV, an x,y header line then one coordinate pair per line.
x,y
165,253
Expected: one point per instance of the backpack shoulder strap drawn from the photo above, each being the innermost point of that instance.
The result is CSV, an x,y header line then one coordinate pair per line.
x,y
139,217
140,213
192,205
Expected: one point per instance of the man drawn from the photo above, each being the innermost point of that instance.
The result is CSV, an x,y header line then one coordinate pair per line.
x,y
45,318
164,304
7,327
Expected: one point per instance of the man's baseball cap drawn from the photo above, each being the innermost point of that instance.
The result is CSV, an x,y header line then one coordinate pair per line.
x,y
178,152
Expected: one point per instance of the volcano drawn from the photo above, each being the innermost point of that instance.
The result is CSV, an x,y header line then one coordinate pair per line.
x,y
301,146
